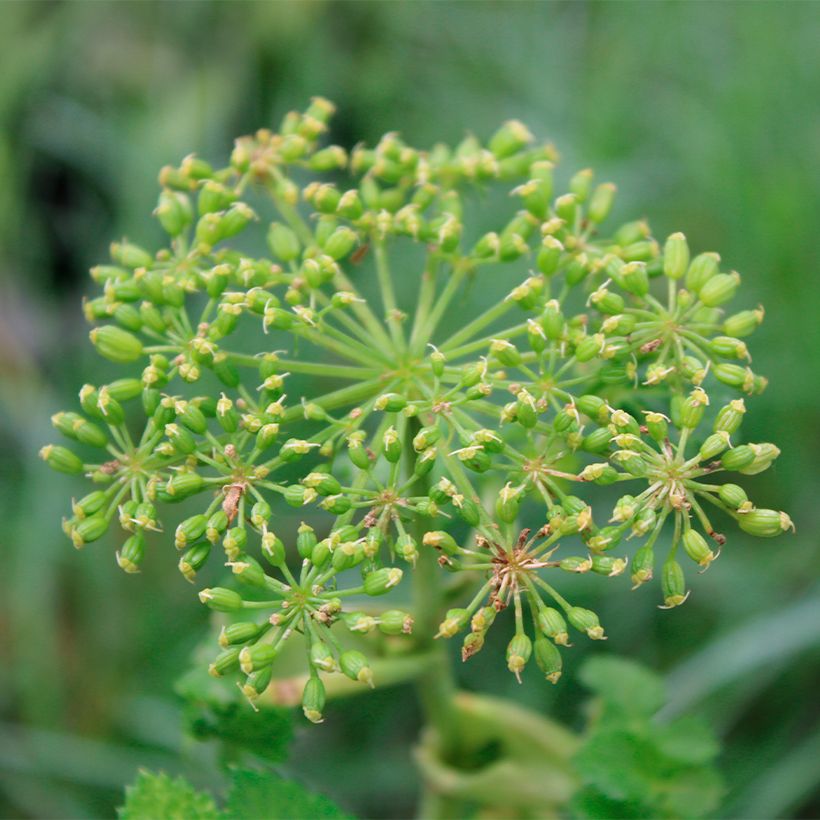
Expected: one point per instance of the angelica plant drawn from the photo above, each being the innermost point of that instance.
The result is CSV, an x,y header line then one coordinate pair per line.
x,y
410,437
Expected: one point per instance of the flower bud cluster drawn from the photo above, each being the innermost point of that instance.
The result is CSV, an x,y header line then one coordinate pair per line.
x,y
256,388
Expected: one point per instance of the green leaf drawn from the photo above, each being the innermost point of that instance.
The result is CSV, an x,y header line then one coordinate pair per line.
x,y
158,797
254,795
688,740
590,804
624,684
266,733
616,764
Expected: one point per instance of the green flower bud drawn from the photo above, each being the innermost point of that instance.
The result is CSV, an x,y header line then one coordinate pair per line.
x,y
382,580
673,585
116,344
130,256
61,459
765,523
356,667
221,599
283,242
675,256
313,700
585,620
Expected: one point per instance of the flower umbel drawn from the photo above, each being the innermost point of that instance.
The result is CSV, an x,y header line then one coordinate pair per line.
x,y
306,380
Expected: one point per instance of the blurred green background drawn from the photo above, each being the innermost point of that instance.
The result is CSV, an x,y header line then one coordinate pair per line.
x,y
707,117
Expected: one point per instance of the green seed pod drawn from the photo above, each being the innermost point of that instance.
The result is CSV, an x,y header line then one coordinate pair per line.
x,y
283,242
313,700
257,682
90,504
238,633
180,438
600,203
125,389
509,139
359,622
585,620
738,457
395,622
221,599
733,496
440,540
356,667
340,243
729,347
714,446
306,540
743,323
174,212
692,408
190,530
116,344
181,486
272,548
765,523
324,483
552,624
391,445
321,657
548,659
643,565
234,542
454,621
130,256
217,524
225,662
61,459
256,657
765,454
193,559
675,256
719,289
88,530
657,425
406,548
382,580
297,496
673,584
519,651
730,417
695,547
247,570
702,268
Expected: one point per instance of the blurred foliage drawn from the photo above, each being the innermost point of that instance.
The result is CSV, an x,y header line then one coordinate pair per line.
x,y
706,116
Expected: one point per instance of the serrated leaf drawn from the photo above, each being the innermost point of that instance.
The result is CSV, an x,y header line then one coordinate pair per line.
x,y
266,733
624,684
159,797
254,795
